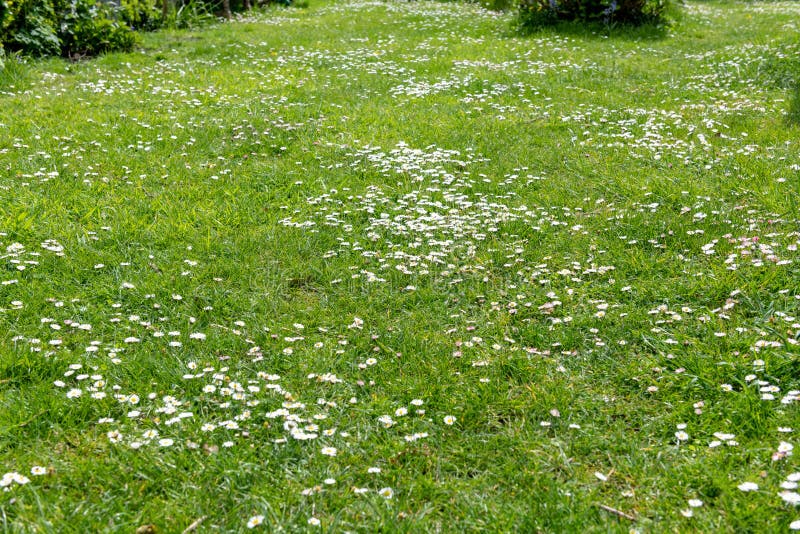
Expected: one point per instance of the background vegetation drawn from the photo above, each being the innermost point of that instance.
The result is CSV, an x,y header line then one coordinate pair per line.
x,y
79,28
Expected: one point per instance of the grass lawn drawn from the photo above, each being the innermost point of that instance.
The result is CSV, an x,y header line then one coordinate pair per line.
x,y
393,267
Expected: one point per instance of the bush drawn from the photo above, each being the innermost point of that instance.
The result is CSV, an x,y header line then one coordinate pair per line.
x,y
141,14
29,26
66,27
535,13
87,29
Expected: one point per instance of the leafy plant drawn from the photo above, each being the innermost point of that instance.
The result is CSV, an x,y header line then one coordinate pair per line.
x,y
190,14
66,27
87,29
141,14
29,26
13,71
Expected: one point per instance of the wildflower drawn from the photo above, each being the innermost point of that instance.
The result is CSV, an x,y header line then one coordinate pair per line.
x,y
449,419
748,486
19,479
255,521
329,451
313,521
790,497
386,493
38,470
386,421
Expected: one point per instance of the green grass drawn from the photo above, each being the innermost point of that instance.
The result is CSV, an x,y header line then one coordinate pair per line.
x,y
573,242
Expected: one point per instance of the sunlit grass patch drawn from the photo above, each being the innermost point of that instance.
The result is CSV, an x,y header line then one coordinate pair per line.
x,y
390,266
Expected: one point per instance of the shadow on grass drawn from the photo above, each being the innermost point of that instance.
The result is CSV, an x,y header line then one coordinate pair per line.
x,y
622,32
784,73
595,30
792,83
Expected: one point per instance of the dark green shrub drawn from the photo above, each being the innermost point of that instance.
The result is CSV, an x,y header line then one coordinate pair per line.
x,y
67,27
87,29
29,26
534,13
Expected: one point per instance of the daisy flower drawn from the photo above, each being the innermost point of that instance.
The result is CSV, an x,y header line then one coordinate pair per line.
x,y
254,521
